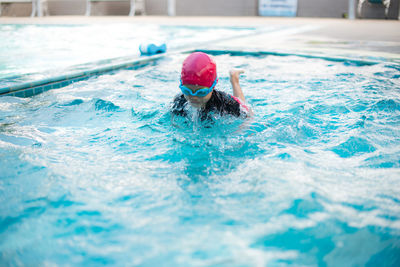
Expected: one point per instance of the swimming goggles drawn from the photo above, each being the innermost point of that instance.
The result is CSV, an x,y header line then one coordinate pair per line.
x,y
200,93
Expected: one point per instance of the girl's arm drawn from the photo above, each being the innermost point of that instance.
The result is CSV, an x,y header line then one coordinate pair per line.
x,y
234,78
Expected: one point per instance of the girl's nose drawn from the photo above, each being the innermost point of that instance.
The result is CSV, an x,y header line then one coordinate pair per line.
x,y
194,97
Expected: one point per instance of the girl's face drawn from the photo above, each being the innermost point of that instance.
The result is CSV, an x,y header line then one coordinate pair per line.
x,y
197,101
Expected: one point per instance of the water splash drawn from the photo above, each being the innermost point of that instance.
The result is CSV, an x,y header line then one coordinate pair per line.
x,y
312,179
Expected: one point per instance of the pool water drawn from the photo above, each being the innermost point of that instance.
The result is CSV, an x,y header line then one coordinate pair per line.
x,y
45,49
97,173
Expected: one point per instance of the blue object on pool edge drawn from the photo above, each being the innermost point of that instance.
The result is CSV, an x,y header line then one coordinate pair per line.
x,y
152,49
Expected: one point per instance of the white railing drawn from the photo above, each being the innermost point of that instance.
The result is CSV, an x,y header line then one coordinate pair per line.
x,y
135,5
386,3
39,7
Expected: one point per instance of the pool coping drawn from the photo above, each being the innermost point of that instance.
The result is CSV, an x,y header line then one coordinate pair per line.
x,y
29,89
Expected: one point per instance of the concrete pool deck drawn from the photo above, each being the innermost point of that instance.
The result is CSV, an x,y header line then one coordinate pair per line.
x,y
364,39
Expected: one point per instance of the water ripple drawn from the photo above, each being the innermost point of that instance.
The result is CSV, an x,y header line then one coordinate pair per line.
x,y
100,173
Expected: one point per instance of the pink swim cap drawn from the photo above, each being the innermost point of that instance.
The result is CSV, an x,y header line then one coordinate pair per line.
x,y
199,69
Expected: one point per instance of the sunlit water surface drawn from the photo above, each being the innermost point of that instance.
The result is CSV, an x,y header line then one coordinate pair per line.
x,y
98,173
45,49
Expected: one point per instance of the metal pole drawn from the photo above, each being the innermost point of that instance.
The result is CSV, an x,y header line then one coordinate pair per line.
x,y
132,9
88,7
352,14
34,8
39,6
171,7
398,17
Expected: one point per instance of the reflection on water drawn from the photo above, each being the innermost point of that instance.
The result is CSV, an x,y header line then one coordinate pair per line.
x,y
99,173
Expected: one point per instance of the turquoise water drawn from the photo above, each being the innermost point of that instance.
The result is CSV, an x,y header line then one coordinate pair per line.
x,y
96,173
45,50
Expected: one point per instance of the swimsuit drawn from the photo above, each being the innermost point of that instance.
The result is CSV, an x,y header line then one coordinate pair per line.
x,y
220,103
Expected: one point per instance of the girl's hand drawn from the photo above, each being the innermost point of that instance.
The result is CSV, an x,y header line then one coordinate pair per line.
x,y
234,75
